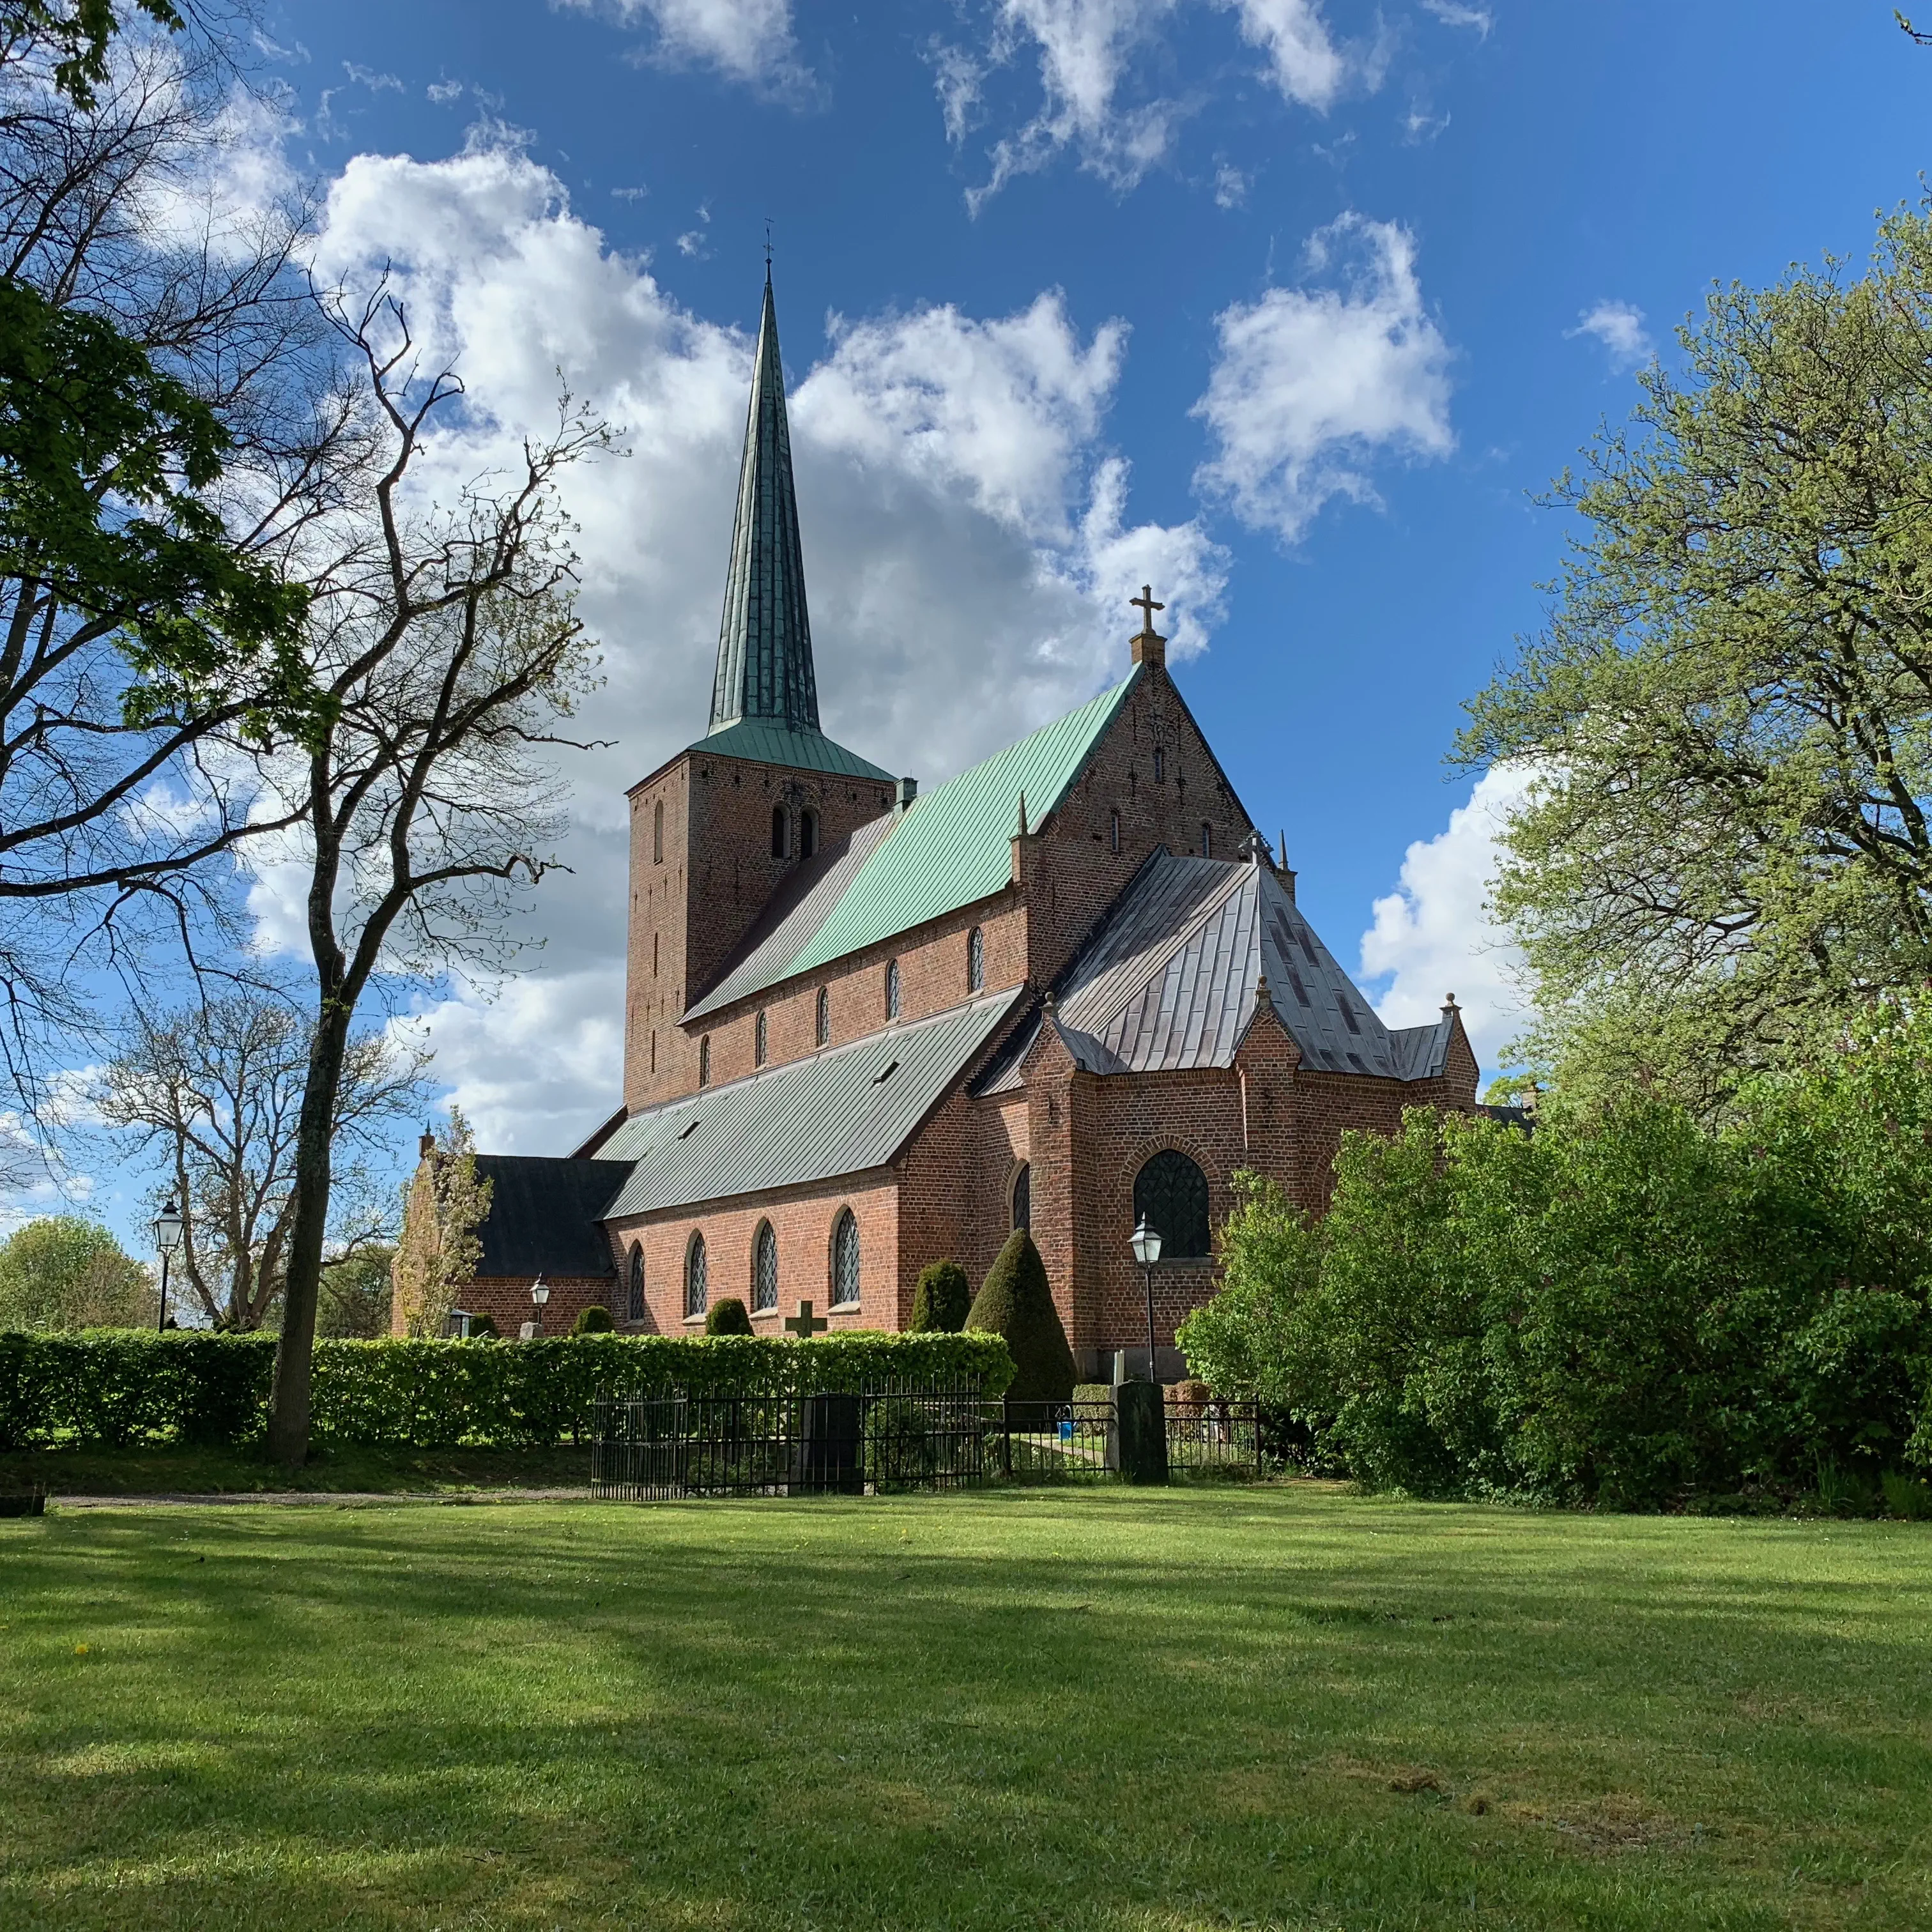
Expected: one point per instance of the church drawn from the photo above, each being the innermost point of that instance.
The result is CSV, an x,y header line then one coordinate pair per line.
x,y
867,1028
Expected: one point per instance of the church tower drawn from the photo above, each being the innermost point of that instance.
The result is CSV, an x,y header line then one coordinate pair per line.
x,y
716,830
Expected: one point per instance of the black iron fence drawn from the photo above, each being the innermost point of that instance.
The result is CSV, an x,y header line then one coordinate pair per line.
x,y
879,1441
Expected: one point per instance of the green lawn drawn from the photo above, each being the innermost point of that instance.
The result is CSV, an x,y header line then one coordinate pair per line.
x,y
1281,1707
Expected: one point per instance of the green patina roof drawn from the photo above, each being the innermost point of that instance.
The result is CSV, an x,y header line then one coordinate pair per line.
x,y
769,742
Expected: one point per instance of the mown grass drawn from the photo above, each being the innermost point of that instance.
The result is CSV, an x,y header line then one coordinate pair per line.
x,y
166,1469
1283,1707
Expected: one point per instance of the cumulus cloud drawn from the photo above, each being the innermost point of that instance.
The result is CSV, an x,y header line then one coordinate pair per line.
x,y
1433,936
1305,64
748,41
1311,385
1618,326
966,530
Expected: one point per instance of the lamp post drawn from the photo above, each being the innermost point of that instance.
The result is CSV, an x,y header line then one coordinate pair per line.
x,y
167,1241
1146,1245
539,1294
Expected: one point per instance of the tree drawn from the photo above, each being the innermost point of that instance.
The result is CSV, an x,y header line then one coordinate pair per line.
x,y
447,643
64,1272
1728,712
942,1300
76,35
213,1094
446,1205
354,1301
1015,1302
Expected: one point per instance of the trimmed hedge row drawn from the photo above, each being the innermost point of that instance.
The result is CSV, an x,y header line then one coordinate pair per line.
x,y
123,1387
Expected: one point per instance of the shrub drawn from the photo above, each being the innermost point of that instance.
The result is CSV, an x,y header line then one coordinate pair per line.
x,y
594,1320
62,1273
482,1328
1015,1303
942,1300
727,1317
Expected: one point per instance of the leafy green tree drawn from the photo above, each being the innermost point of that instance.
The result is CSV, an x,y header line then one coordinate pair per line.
x,y
76,34
64,1273
355,1295
942,1300
1015,1302
1728,716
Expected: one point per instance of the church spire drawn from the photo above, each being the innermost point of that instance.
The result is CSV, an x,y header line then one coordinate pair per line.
x,y
764,644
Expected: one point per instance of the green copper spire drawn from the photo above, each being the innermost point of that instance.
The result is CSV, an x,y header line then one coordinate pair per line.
x,y
764,644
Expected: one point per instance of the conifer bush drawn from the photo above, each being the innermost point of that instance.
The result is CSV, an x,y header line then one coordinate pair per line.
x,y
483,1328
1015,1304
728,1317
942,1301
594,1320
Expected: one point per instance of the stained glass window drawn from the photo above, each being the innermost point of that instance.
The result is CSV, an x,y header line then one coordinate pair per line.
x,y
1172,1193
824,1026
975,960
892,989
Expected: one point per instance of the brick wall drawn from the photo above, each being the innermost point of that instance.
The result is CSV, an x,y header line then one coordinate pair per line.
x,y
505,1299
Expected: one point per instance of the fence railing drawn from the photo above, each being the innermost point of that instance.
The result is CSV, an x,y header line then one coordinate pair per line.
x,y
878,1442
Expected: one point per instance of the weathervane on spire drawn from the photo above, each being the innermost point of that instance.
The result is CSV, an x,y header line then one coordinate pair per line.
x,y
768,247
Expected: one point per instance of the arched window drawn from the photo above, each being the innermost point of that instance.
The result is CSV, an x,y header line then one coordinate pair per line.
x,y
892,989
759,1042
1207,840
779,828
657,832
1023,1197
704,1061
822,1021
975,960
1171,1193
696,1279
634,1306
808,834
764,1270
1113,832
844,1260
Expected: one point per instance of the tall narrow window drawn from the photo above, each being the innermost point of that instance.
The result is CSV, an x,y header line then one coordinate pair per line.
x,y
764,1270
1207,840
654,955
822,1022
696,1279
657,832
845,1261
808,834
759,1043
975,960
704,1061
1023,1197
636,1303
654,1049
892,989
778,829
1113,832
1159,763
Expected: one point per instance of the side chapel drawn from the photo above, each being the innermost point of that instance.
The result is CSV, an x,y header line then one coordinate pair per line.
x,y
866,1029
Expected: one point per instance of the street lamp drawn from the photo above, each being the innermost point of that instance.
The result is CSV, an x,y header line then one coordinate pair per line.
x,y
539,1294
167,1241
1146,1245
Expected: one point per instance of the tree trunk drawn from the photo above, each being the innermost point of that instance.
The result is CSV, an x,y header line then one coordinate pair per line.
x,y
288,1413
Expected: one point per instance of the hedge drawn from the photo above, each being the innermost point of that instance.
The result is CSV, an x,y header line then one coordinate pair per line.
x,y
126,1387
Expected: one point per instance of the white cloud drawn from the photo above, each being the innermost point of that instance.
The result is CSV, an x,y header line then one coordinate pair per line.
x,y
1618,326
1311,384
443,92
367,77
748,41
1419,125
1230,187
1432,935
1307,67
1451,13
965,528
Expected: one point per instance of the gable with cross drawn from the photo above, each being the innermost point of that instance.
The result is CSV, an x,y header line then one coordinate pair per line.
x,y
1149,646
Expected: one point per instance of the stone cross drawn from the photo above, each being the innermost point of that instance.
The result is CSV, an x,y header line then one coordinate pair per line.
x,y
1144,603
804,1322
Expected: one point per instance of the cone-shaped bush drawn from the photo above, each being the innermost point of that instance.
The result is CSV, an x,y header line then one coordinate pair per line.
x,y
727,1317
594,1320
1015,1302
942,1300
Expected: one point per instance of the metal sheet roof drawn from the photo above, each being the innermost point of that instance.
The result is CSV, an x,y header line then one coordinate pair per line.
x,y
1169,981
844,1110
777,744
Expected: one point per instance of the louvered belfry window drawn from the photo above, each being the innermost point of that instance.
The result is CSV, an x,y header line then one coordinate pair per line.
x,y
845,1260
1172,1193
765,1269
697,1278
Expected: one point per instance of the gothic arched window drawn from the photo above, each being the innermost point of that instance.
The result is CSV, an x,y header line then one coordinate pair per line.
x,y
1171,1194
1159,763
657,832
1023,1197
758,1044
892,989
844,1260
764,1270
696,1279
975,960
822,1021
779,828
1113,832
808,834
635,1305
1207,840
704,1061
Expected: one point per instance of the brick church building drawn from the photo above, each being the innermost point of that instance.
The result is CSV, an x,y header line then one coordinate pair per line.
x,y
867,1028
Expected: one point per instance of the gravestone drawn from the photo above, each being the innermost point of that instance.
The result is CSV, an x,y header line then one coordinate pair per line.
x,y
1140,1431
826,1459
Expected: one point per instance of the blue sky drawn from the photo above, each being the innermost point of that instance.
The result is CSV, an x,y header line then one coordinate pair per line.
x,y
1288,306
